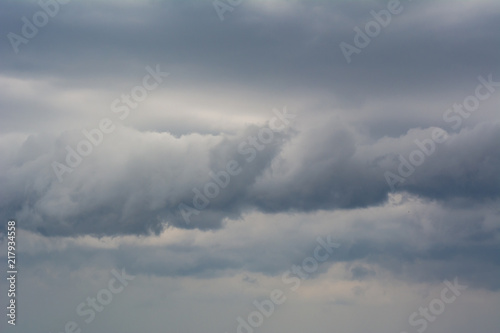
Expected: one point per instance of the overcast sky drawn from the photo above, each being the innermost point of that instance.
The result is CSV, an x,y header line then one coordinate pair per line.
x,y
204,151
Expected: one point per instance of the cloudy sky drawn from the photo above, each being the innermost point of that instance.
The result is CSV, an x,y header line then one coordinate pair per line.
x,y
251,166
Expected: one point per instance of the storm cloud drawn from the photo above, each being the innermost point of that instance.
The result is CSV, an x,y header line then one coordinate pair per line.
x,y
211,180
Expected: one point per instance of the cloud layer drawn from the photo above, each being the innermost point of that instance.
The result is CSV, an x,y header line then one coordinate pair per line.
x,y
213,183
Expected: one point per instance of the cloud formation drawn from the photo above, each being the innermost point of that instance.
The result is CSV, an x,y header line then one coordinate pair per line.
x,y
395,155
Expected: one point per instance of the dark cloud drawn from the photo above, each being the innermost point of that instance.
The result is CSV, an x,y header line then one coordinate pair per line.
x,y
353,124
427,246
136,182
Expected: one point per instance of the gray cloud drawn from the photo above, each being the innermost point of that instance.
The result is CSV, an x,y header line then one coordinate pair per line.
x,y
139,179
326,174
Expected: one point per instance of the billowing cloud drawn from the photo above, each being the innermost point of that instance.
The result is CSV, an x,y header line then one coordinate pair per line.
x,y
205,157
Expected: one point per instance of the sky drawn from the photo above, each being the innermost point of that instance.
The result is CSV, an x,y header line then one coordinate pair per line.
x,y
250,166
